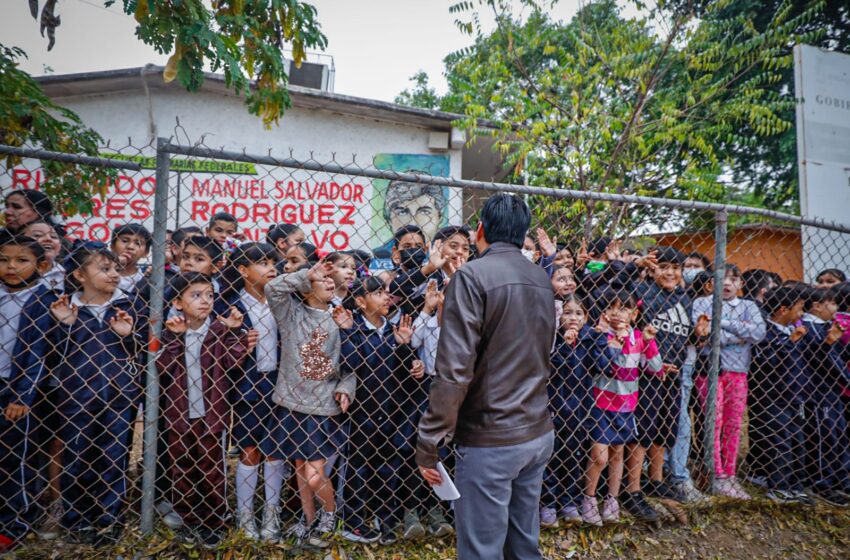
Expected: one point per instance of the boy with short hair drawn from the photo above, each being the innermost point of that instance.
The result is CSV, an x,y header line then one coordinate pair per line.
x,y
222,227
199,351
131,242
828,464
777,412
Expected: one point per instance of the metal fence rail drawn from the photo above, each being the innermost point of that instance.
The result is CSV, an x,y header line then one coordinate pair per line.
x,y
762,393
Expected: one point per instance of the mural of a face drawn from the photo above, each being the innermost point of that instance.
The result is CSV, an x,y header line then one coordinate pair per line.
x,y
413,204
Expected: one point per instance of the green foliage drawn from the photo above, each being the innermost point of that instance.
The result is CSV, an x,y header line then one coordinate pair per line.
x,y
28,117
422,95
652,105
241,38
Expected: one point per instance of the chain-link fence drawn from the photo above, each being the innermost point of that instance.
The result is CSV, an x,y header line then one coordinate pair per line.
x,y
241,342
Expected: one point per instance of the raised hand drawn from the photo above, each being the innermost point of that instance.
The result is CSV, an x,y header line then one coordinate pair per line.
x,y
603,326
649,333
121,323
342,317
233,319
612,251
703,326
669,369
548,246
436,260
63,310
251,339
403,332
417,369
798,333
582,257
834,333
432,297
320,271
649,261
570,336
177,325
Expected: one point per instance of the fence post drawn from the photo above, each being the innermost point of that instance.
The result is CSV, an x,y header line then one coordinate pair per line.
x,y
157,279
721,223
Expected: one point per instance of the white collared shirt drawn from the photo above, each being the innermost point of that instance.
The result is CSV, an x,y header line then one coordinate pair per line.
x,y
266,326
11,306
786,329
809,318
194,373
127,284
55,278
97,309
426,334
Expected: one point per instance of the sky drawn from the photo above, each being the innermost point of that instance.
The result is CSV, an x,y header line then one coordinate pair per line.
x,y
377,45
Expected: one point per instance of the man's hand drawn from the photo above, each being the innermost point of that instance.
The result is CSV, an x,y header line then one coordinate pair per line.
x,y
431,476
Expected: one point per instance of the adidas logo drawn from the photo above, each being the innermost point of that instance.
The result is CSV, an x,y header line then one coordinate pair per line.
x,y
674,320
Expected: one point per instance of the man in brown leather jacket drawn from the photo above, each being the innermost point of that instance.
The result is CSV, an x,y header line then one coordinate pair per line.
x,y
489,392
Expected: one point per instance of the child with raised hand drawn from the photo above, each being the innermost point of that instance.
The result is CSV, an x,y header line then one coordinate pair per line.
x,y
198,353
99,387
24,324
622,353
251,266
311,393
741,326
570,400
344,274
47,237
380,355
131,242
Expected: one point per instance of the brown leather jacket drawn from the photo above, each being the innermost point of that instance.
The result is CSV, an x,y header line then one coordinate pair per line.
x,y
492,356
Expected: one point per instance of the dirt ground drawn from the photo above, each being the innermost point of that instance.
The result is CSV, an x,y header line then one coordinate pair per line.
x,y
726,530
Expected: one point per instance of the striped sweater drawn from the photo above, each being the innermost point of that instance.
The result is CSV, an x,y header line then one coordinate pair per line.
x,y
615,387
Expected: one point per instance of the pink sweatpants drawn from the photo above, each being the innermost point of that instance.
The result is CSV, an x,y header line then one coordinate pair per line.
x,y
731,403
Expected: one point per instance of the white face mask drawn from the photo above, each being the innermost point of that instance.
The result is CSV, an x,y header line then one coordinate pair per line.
x,y
689,274
528,254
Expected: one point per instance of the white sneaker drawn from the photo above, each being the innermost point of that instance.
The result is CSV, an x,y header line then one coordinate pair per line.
x,y
741,494
270,531
52,525
327,523
245,522
690,492
169,517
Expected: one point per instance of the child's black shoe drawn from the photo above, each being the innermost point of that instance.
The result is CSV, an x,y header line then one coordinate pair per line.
x,y
209,538
663,490
635,503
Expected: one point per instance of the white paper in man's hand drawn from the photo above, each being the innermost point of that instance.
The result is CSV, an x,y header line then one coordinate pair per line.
x,y
446,490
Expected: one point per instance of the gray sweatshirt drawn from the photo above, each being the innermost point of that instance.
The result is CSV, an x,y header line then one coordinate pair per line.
x,y
309,374
741,326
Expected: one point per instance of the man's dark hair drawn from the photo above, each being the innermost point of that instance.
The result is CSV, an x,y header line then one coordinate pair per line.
x,y
133,229
280,231
207,245
182,281
505,218
223,217
405,230
783,296
180,234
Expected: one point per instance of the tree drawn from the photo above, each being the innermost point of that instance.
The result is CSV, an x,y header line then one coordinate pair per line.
x,y
243,39
422,95
604,103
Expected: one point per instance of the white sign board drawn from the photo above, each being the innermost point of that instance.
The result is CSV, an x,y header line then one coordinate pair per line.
x,y
822,86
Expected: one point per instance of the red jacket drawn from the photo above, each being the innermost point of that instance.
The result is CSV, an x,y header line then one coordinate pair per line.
x,y
222,350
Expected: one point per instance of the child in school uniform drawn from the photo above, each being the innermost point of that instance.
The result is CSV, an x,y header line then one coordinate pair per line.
x,y
777,406
24,349
344,274
46,235
222,228
380,355
828,462
252,266
311,395
622,353
570,400
98,340
198,353
132,243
